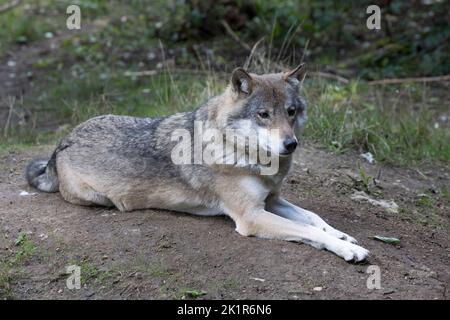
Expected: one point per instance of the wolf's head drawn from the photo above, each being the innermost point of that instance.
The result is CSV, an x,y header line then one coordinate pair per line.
x,y
268,104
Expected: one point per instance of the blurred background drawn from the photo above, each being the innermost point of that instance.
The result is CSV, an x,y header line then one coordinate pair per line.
x,y
152,58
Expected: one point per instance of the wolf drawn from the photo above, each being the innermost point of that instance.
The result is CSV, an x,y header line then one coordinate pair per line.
x,y
127,162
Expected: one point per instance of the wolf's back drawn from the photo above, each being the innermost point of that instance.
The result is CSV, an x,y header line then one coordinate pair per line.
x,y
41,173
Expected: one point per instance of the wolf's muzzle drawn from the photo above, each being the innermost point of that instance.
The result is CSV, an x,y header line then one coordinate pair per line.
x,y
289,145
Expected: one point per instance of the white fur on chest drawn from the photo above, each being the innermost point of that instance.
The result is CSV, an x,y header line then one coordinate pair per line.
x,y
255,186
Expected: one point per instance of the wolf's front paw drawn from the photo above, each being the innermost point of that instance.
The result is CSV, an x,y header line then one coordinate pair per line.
x,y
340,235
349,251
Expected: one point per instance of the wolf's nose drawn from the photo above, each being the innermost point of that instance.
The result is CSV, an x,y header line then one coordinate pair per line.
x,y
290,144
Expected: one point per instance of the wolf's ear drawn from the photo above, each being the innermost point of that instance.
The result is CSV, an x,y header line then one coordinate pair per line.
x,y
297,75
241,82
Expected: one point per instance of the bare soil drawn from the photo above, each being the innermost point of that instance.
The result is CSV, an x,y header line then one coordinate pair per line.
x,y
153,254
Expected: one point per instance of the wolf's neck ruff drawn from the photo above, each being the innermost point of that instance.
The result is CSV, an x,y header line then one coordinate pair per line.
x,y
209,145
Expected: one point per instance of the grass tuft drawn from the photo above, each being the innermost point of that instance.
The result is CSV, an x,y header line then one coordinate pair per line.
x,y
10,268
345,117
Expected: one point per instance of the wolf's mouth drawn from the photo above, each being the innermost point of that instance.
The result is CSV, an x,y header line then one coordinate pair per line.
x,y
285,154
279,154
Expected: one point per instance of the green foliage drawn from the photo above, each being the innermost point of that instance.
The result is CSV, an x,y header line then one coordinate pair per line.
x,y
413,40
91,273
92,73
346,117
26,249
9,268
190,293
17,28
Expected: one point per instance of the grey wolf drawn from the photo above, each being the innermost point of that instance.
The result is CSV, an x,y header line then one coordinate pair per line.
x,y
126,162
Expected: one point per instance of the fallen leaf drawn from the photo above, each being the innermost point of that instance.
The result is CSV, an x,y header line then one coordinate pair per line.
x,y
194,293
387,239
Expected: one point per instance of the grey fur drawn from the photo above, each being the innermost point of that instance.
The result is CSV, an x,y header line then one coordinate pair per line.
x,y
41,174
124,151
126,162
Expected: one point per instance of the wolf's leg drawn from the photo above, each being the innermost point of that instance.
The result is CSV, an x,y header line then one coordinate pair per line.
x,y
84,196
290,211
75,189
244,203
264,224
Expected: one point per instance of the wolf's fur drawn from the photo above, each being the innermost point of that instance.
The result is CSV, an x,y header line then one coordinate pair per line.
x,y
126,162
41,174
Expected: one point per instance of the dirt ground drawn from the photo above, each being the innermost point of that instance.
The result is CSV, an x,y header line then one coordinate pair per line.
x,y
153,254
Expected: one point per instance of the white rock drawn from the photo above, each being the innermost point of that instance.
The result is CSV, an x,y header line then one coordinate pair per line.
x,y
317,288
23,193
369,157
388,205
258,279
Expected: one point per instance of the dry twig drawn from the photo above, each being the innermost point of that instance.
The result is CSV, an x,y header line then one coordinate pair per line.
x,y
252,53
406,80
234,36
327,75
10,101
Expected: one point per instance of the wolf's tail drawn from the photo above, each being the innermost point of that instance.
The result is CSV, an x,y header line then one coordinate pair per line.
x,y
41,174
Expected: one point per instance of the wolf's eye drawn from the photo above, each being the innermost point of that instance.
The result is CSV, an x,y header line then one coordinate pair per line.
x,y
263,114
291,111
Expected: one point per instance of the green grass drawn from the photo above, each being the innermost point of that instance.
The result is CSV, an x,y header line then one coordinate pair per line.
x,y
428,208
445,193
6,279
158,270
6,148
74,99
26,249
341,117
365,182
90,273
88,76
231,284
34,21
10,268
17,28
190,293
345,117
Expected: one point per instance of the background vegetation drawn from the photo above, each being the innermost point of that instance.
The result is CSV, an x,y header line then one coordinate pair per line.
x,y
150,58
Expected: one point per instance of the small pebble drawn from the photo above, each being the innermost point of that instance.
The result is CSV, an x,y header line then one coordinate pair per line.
x,y
317,288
